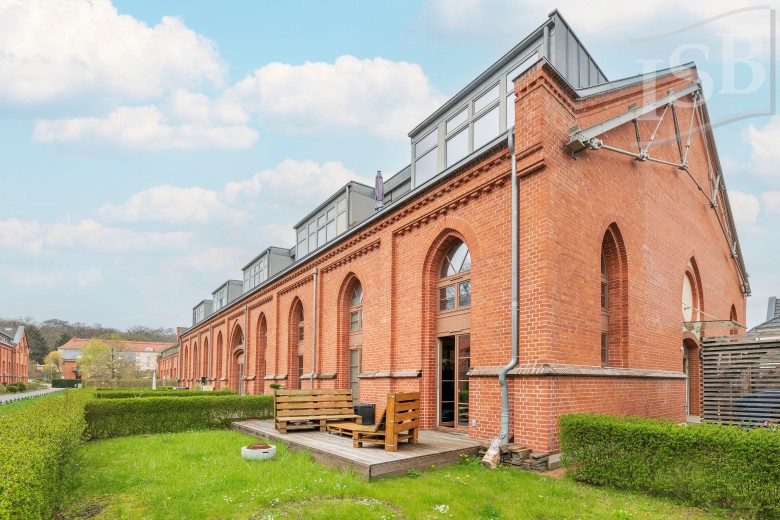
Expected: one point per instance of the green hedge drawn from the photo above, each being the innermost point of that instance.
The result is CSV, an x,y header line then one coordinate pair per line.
x,y
66,383
142,382
39,444
19,386
127,393
704,465
118,417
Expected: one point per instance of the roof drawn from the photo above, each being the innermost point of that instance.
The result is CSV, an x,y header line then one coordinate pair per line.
x,y
773,317
130,346
527,43
11,337
353,185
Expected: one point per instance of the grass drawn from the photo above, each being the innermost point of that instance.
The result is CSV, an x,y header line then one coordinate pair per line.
x,y
24,403
202,475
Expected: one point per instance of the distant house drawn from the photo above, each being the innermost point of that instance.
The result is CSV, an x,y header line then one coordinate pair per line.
x,y
772,323
144,353
14,355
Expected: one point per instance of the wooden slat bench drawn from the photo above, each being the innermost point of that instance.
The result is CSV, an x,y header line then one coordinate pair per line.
x,y
402,423
305,409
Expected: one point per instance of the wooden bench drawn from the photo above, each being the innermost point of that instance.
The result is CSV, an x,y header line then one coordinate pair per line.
x,y
402,423
304,409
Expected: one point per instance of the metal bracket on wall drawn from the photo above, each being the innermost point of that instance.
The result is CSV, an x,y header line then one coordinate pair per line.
x,y
592,138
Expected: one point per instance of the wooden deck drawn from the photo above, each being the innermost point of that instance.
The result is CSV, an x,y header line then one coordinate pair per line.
x,y
371,462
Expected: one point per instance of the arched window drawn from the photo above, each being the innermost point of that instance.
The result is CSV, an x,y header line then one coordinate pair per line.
x,y
356,309
455,279
355,338
300,323
689,310
734,321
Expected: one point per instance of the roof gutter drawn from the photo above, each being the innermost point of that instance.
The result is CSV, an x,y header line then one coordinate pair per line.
x,y
504,434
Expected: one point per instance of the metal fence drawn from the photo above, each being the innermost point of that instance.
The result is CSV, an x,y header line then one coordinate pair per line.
x,y
741,379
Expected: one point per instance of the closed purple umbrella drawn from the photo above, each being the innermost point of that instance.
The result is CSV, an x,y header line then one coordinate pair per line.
x,y
379,191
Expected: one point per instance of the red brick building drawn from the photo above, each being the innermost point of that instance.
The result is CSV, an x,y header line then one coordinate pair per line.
x,y
14,355
143,353
615,251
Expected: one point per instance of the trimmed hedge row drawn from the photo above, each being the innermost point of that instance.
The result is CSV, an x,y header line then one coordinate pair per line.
x,y
705,465
118,417
39,444
123,393
66,383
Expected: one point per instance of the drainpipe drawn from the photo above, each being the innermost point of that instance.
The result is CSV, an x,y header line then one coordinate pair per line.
x,y
314,330
504,435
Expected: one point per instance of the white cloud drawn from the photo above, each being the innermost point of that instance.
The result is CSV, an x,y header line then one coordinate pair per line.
x,y
378,96
85,236
771,200
208,259
307,182
502,19
744,206
172,204
280,235
147,127
764,149
297,183
55,49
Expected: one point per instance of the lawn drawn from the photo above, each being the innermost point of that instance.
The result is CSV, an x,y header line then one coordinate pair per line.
x,y
201,475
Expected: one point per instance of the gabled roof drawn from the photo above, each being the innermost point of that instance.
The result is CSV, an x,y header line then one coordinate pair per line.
x,y
773,317
130,346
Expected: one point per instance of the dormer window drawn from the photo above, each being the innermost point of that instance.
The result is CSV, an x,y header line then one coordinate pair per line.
x,y
256,274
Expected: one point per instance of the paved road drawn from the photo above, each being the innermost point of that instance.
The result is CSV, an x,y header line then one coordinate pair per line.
x,y
7,398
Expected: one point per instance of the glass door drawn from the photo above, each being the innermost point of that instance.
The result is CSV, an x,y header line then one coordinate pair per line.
x,y
454,363
354,372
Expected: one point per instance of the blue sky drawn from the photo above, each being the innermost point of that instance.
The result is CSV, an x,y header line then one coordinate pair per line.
x,y
150,149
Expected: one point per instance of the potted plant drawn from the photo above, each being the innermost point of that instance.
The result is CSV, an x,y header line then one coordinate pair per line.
x,y
258,451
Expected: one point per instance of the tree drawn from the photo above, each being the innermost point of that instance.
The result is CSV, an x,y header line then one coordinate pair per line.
x,y
37,343
64,338
52,364
106,359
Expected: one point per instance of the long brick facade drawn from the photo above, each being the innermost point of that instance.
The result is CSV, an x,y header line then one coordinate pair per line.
x,y
649,220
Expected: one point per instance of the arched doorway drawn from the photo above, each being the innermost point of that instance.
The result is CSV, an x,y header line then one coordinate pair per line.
x,y
236,378
453,326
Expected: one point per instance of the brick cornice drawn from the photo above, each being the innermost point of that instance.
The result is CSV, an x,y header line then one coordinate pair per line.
x,y
261,302
463,200
235,315
556,370
355,254
297,284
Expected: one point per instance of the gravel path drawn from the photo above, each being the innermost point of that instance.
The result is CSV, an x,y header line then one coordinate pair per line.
x,y
7,398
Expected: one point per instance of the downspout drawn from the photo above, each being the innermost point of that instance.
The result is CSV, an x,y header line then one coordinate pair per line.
x,y
504,435
246,354
314,330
